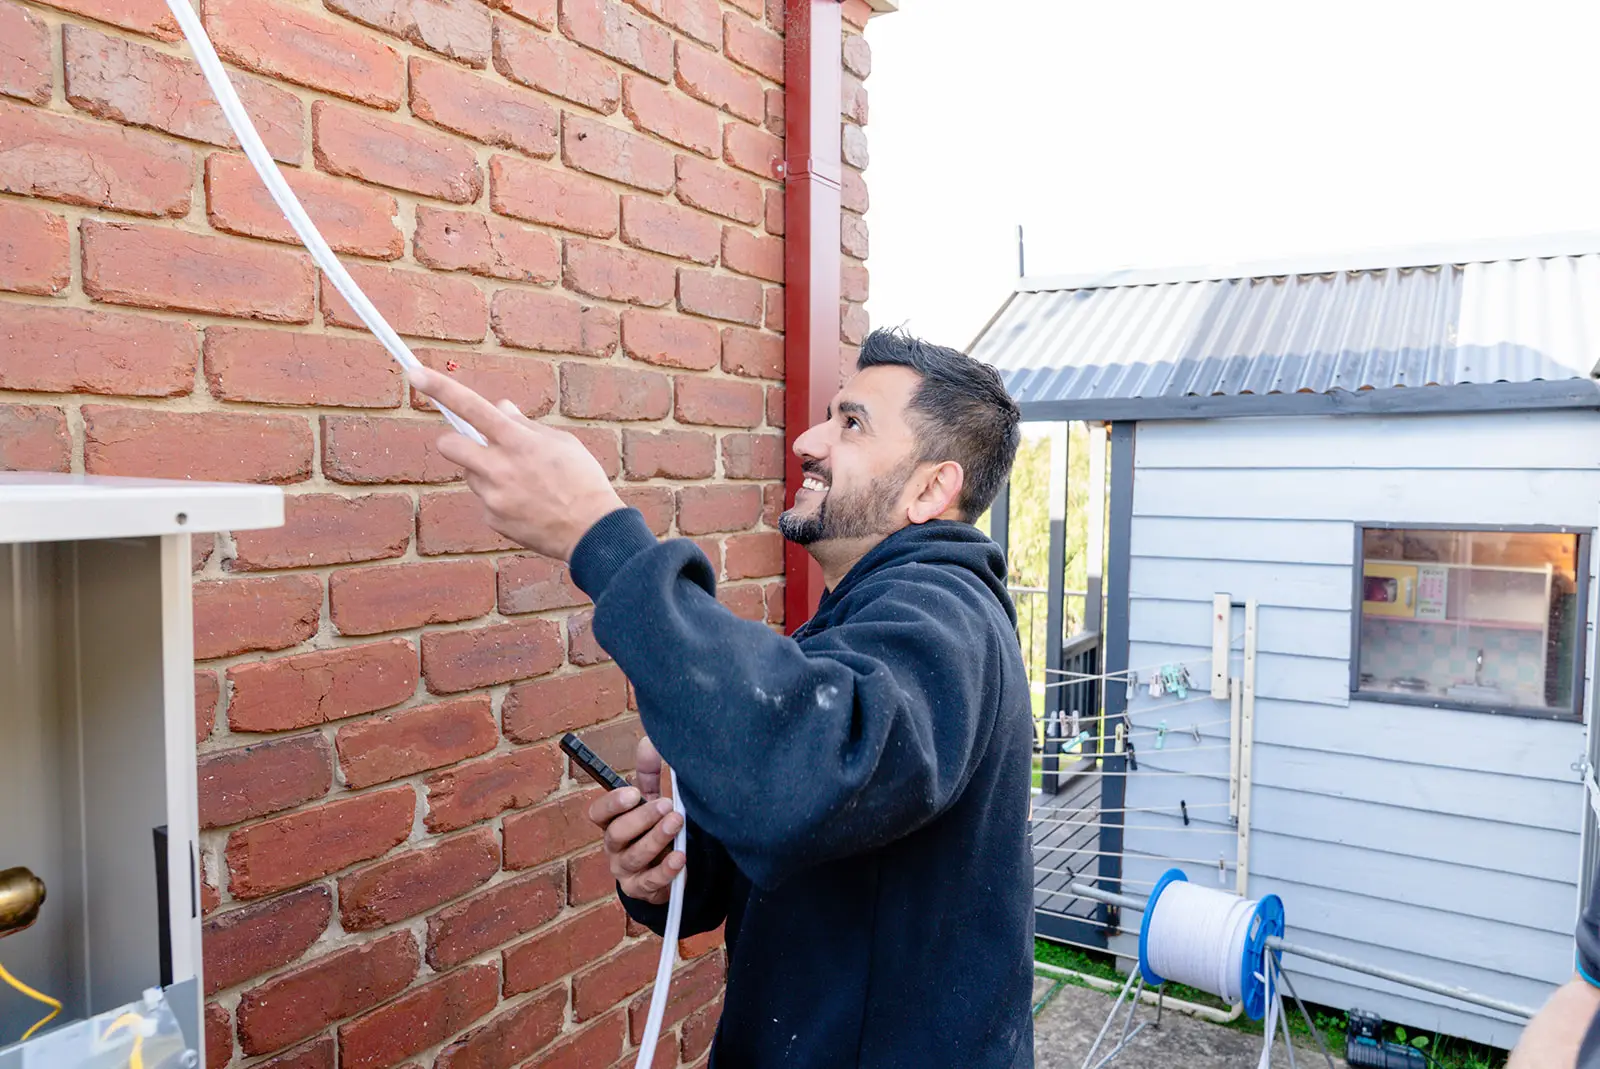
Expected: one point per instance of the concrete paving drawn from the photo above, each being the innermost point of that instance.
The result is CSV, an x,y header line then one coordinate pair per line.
x,y
1064,1031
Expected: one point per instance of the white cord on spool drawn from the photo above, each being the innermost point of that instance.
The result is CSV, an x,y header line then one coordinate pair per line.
x,y
245,130
669,941
1197,937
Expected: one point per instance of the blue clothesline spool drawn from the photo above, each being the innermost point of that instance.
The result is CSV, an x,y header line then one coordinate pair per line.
x,y
1264,921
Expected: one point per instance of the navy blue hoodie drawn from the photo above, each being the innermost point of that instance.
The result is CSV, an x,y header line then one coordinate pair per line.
x,y
857,796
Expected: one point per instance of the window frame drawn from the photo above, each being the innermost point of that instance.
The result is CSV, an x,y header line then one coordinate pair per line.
x,y
1580,666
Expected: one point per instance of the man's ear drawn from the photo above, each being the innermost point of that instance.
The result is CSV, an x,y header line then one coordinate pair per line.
x,y
939,495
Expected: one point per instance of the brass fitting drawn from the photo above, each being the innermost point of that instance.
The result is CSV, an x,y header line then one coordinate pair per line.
x,y
21,895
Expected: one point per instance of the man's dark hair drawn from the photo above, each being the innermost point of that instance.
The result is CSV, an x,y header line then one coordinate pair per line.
x,y
961,412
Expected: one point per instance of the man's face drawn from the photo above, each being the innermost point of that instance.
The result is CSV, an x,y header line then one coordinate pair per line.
x,y
857,462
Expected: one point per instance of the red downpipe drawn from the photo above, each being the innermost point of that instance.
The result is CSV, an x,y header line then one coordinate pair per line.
x,y
813,88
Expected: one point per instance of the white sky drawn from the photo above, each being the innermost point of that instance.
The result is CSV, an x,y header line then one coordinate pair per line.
x,y
1145,133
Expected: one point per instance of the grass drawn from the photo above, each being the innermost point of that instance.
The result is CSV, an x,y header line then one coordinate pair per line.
x,y
1445,1052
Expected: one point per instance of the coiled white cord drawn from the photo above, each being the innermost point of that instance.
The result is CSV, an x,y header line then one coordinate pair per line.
x,y
289,204
669,940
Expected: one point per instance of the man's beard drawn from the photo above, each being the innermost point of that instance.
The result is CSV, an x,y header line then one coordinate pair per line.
x,y
861,514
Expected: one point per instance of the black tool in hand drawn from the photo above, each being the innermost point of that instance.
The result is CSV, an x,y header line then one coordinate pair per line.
x,y
590,762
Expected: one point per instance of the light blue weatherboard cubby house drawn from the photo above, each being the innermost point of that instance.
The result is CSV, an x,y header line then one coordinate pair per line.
x,y
1374,481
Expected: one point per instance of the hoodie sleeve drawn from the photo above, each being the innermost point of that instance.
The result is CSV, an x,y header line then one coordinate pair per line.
x,y
790,756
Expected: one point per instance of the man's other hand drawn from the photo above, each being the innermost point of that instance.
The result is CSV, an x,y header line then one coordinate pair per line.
x,y
539,486
638,837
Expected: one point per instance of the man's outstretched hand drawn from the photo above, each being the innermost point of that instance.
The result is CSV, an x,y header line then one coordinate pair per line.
x,y
539,486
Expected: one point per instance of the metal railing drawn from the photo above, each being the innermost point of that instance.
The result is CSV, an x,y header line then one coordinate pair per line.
x,y
1032,604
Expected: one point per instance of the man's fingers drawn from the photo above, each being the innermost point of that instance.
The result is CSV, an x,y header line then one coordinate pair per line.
x,y
462,400
462,451
654,881
624,830
643,853
612,804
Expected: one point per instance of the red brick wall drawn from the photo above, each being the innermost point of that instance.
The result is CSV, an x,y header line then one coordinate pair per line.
x,y
573,204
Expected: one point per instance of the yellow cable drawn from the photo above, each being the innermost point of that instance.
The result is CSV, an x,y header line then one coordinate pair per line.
x,y
31,993
135,1059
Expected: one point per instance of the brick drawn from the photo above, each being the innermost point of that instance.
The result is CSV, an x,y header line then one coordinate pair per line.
x,y
398,597
564,947
774,315
548,831
156,267
752,149
854,103
219,1037
355,144
422,1018
459,29
854,146
482,109
297,1004
752,254
552,197
267,777
712,548
323,529
318,1054
527,382
654,504
297,45
620,33
753,8
672,116
853,282
775,603
465,660
453,523
81,350
752,353
531,583
583,649
693,985
750,45
149,17
35,250
610,152
669,340
726,297
714,189
589,879
719,402
210,896
495,916
752,456
853,323
393,745
206,692
360,449
708,509
601,442
95,165
773,120
494,248
614,274
855,12
699,1028
775,212
544,62
700,19
603,985
754,556
200,549
282,368
605,392
661,227
510,1038
34,438
616,742
135,85
353,218
549,322
853,192
668,454
853,235
418,880
772,502
708,77
698,946
533,712
248,942
236,616
542,13
422,304
315,688
485,788
290,850
597,1044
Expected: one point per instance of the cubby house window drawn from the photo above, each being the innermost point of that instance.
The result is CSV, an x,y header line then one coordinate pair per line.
x,y
1482,620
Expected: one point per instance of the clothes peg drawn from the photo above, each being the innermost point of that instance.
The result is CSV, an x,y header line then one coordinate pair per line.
x,y
1155,685
1194,729
1133,684
1222,871
1184,808
1161,736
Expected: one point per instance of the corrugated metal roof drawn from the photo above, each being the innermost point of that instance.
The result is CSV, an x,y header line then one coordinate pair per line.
x,y
1509,321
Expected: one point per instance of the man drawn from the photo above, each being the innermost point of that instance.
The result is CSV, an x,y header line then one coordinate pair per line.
x,y
857,795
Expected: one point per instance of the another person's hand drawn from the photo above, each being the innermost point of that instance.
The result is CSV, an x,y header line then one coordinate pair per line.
x,y
638,839
539,486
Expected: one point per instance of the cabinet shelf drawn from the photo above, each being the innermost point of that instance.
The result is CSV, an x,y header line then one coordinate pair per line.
x,y
1490,625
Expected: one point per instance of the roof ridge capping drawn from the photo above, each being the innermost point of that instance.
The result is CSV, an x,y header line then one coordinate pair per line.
x,y
1536,247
